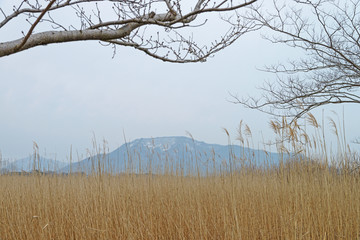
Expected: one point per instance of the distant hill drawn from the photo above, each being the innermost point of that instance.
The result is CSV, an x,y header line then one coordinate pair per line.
x,y
164,154
28,165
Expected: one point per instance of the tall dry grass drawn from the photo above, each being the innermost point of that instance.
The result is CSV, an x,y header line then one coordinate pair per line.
x,y
303,198
294,205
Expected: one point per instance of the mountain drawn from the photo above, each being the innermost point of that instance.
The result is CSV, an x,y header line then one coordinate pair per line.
x,y
166,154
27,165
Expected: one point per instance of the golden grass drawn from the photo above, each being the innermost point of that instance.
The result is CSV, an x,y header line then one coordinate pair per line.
x,y
315,198
287,204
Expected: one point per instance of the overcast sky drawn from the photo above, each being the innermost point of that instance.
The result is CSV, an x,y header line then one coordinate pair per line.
x,y
60,95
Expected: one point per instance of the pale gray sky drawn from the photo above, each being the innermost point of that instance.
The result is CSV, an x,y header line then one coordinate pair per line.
x,y
59,95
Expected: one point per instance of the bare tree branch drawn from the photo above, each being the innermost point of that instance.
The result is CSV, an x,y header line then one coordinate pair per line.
x,y
150,26
328,33
34,25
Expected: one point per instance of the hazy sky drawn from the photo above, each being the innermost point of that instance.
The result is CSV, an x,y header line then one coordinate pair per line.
x,y
60,95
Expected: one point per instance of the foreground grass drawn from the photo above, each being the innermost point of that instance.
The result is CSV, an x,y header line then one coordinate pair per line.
x,y
297,203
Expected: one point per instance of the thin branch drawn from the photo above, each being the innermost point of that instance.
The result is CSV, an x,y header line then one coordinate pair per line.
x,y
34,25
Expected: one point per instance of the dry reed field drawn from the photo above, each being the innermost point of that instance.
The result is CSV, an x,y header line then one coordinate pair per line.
x,y
297,200
306,204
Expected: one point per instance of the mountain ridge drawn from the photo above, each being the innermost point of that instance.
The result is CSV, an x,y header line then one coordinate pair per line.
x,y
28,164
171,153
159,154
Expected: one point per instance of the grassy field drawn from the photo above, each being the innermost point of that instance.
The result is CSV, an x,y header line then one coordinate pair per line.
x,y
292,204
297,200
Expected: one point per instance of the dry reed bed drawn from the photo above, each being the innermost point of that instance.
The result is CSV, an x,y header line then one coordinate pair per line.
x,y
294,204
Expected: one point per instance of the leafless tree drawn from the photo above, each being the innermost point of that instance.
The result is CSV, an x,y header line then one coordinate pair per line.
x,y
328,32
159,28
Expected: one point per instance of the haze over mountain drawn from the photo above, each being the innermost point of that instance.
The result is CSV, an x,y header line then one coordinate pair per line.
x,y
28,164
155,155
163,154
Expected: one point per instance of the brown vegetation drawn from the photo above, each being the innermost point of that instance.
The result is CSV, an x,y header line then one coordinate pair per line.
x,y
300,199
295,204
